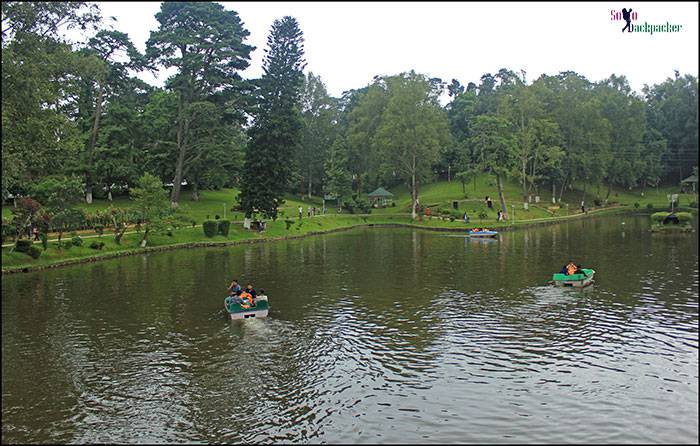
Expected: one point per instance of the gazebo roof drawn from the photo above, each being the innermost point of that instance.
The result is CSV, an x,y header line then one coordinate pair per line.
x,y
380,192
690,179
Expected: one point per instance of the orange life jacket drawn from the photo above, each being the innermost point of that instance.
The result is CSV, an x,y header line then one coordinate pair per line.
x,y
571,269
244,296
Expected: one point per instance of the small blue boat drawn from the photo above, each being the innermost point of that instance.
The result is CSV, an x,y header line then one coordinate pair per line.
x,y
482,233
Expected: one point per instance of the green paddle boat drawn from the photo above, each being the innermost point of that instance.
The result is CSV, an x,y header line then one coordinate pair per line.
x,y
236,311
576,280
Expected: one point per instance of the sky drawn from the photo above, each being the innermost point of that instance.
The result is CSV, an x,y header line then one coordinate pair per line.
x,y
348,43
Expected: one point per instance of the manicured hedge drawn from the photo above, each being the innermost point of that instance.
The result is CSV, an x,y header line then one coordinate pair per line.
x,y
210,228
224,226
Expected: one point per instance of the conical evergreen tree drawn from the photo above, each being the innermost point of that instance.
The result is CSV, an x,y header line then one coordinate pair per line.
x,y
277,130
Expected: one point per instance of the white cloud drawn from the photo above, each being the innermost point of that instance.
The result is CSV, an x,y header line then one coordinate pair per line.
x,y
348,43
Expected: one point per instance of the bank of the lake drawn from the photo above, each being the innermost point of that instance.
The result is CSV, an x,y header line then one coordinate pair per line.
x,y
13,262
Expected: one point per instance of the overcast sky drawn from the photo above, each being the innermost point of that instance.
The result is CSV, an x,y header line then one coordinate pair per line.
x,y
348,43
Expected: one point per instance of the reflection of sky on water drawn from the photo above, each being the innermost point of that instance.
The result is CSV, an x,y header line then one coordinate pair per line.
x,y
373,335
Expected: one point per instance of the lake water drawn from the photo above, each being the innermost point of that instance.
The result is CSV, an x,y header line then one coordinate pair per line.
x,y
374,335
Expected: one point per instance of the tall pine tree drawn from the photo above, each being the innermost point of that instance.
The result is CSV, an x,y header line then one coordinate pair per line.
x,y
276,133
204,42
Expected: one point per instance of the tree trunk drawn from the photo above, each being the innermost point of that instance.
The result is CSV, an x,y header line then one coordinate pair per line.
x,y
500,195
524,182
608,194
309,182
195,191
109,193
414,192
563,185
583,199
554,193
144,240
181,149
93,141
119,230
448,173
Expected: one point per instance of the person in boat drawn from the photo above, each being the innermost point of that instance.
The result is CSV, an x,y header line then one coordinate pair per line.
x,y
234,289
249,289
571,269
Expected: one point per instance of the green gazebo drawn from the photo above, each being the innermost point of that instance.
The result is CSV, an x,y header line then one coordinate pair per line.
x,y
690,184
381,197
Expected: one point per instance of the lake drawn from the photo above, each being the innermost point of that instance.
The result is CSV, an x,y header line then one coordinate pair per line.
x,y
374,335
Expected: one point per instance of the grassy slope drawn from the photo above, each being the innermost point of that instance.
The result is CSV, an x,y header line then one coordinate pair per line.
x,y
472,199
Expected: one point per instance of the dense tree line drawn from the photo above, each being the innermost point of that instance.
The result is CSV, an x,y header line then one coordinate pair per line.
x,y
77,110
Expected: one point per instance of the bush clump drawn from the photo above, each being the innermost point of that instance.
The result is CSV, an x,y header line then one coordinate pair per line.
x,y
358,206
23,245
684,217
289,223
224,227
34,252
650,206
659,216
210,228
76,241
97,245
636,205
456,214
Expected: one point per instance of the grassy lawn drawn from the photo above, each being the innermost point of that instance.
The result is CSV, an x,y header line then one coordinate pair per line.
x,y
440,194
210,204
436,196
